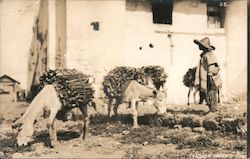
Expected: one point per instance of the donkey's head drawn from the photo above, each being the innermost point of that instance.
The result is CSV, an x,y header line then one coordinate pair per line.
x,y
160,101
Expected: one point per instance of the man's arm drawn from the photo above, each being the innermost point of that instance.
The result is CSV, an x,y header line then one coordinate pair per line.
x,y
213,66
213,69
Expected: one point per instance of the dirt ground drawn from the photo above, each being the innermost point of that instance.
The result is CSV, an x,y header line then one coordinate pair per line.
x,y
183,132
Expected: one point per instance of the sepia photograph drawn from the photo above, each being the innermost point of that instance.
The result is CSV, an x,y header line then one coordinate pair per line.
x,y
129,79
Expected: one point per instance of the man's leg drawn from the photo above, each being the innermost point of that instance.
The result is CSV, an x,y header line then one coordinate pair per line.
x,y
202,97
211,96
212,100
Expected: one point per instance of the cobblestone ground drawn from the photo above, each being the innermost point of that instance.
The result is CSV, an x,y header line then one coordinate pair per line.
x,y
183,132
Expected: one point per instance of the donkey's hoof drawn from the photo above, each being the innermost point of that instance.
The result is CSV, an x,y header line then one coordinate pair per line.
x,y
52,144
135,126
22,143
83,137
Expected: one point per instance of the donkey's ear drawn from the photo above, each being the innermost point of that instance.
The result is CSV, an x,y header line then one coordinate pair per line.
x,y
91,79
161,89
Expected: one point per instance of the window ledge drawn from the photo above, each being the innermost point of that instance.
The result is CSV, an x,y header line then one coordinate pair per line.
x,y
168,29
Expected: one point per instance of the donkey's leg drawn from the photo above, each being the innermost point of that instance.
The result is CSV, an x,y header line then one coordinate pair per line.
x,y
84,110
190,88
117,102
195,92
51,126
136,105
203,96
134,113
218,95
109,107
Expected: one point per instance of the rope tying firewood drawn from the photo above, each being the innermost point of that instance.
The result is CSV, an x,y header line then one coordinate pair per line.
x,y
189,77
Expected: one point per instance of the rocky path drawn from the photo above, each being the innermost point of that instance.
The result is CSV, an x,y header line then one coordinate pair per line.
x,y
184,131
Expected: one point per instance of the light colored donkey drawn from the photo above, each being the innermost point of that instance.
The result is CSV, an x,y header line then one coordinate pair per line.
x,y
133,92
46,98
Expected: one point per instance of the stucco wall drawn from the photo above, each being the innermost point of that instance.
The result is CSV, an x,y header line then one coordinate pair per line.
x,y
17,20
176,52
190,15
236,38
95,52
94,48
123,32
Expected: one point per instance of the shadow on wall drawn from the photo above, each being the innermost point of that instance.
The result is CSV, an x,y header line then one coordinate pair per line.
x,y
138,5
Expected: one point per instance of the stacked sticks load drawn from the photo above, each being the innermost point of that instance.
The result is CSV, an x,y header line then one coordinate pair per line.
x,y
116,78
156,73
72,86
189,77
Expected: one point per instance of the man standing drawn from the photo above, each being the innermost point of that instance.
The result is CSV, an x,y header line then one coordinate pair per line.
x,y
207,77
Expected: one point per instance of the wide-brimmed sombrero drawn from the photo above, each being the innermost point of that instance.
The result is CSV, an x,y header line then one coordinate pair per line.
x,y
204,42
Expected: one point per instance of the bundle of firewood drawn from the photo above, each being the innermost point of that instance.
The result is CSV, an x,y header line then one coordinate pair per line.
x,y
156,73
72,86
117,77
189,77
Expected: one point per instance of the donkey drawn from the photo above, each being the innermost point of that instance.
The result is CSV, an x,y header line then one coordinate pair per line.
x,y
133,92
46,98
188,81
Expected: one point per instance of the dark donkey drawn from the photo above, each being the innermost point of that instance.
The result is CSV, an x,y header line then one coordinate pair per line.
x,y
188,81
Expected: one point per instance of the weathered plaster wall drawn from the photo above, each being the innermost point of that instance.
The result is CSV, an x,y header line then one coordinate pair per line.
x,y
95,52
236,38
122,33
17,20
125,36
